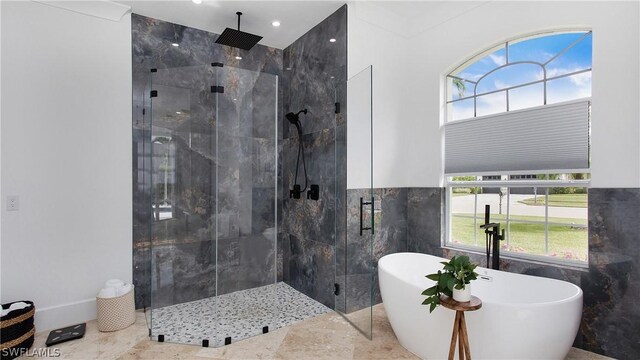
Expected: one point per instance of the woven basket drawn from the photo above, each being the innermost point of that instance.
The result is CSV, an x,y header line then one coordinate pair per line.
x,y
116,313
16,331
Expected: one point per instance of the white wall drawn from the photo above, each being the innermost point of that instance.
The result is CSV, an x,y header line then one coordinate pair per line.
x,y
373,39
66,152
1,193
415,143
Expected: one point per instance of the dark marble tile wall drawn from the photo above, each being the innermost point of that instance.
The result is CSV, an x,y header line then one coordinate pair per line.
x,y
315,79
425,220
521,267
182,265
316,73
405,219
611,318
611,284
359,255
304,218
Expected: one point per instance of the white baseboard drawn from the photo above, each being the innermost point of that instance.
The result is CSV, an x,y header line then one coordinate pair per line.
x,y
54,317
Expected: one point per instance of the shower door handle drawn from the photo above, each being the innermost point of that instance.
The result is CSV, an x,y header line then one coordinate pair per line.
x,y
362,204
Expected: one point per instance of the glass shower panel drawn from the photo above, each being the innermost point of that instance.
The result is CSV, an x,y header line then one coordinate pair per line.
x,y
182,205
142,211
355,267
246,147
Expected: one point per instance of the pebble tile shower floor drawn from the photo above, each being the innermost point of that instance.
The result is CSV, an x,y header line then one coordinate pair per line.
x,y
238,315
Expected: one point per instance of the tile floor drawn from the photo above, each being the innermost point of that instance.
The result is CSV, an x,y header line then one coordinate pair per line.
x,y
238,315
327,336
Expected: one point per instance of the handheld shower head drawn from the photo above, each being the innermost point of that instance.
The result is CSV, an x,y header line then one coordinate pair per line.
x,y
294,118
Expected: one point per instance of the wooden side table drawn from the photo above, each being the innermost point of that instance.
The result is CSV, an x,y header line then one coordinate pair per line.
x,y
459,325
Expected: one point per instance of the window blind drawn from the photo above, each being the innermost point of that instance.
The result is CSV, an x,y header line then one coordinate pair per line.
x,y
549,137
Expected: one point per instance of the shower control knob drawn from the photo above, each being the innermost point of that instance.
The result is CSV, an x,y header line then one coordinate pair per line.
x,y
295,193
314,192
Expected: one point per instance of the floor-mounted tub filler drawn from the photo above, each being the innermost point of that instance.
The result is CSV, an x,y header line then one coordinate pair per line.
x,y
522,316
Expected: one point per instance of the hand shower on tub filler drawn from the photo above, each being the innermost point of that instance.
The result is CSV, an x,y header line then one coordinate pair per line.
x,y
493,235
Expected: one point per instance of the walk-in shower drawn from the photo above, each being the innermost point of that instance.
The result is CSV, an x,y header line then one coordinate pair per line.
x,y
222,251
214,141
216,194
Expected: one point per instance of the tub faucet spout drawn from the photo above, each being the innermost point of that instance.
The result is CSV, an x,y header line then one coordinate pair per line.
x,y
493,235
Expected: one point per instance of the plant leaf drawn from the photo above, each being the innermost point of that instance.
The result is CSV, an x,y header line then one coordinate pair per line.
x,y
448,267
432,307
444,280
451,283
434,277
464,261
456,261
430,291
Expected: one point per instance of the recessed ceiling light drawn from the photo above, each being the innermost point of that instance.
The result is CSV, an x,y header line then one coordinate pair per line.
x,y
332,40
175,44
288,68
235,99
276,23
238,57
178,112
197,1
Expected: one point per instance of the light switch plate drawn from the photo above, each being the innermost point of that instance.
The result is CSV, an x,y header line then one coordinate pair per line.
x,y
13,203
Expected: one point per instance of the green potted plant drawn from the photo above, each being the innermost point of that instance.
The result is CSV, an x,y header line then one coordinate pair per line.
x,y
453,281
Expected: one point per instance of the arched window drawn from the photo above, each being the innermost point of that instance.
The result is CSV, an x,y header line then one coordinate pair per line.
x,y
538,70
517,139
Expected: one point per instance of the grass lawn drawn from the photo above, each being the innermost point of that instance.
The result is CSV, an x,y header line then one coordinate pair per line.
x,y
561,200
502,218
564,241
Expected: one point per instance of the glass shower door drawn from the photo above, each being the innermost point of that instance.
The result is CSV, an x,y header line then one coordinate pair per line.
x,y
246,208
355,266
182,249
213,204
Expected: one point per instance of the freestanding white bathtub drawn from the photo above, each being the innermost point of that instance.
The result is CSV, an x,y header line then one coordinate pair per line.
x,y
522,317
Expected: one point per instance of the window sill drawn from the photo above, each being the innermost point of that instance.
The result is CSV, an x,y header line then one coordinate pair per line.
x,y
526,258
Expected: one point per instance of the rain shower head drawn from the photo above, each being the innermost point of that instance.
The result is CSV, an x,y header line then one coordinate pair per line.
x,y
238,39
294,118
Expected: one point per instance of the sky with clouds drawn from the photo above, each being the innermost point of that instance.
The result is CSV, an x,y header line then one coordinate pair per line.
x,y
539,49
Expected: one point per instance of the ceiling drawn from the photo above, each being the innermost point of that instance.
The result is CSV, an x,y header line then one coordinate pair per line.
x,y
403,17
296,17
414,17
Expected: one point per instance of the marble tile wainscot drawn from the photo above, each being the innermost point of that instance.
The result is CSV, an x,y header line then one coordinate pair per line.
x,y
611,284
405,219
